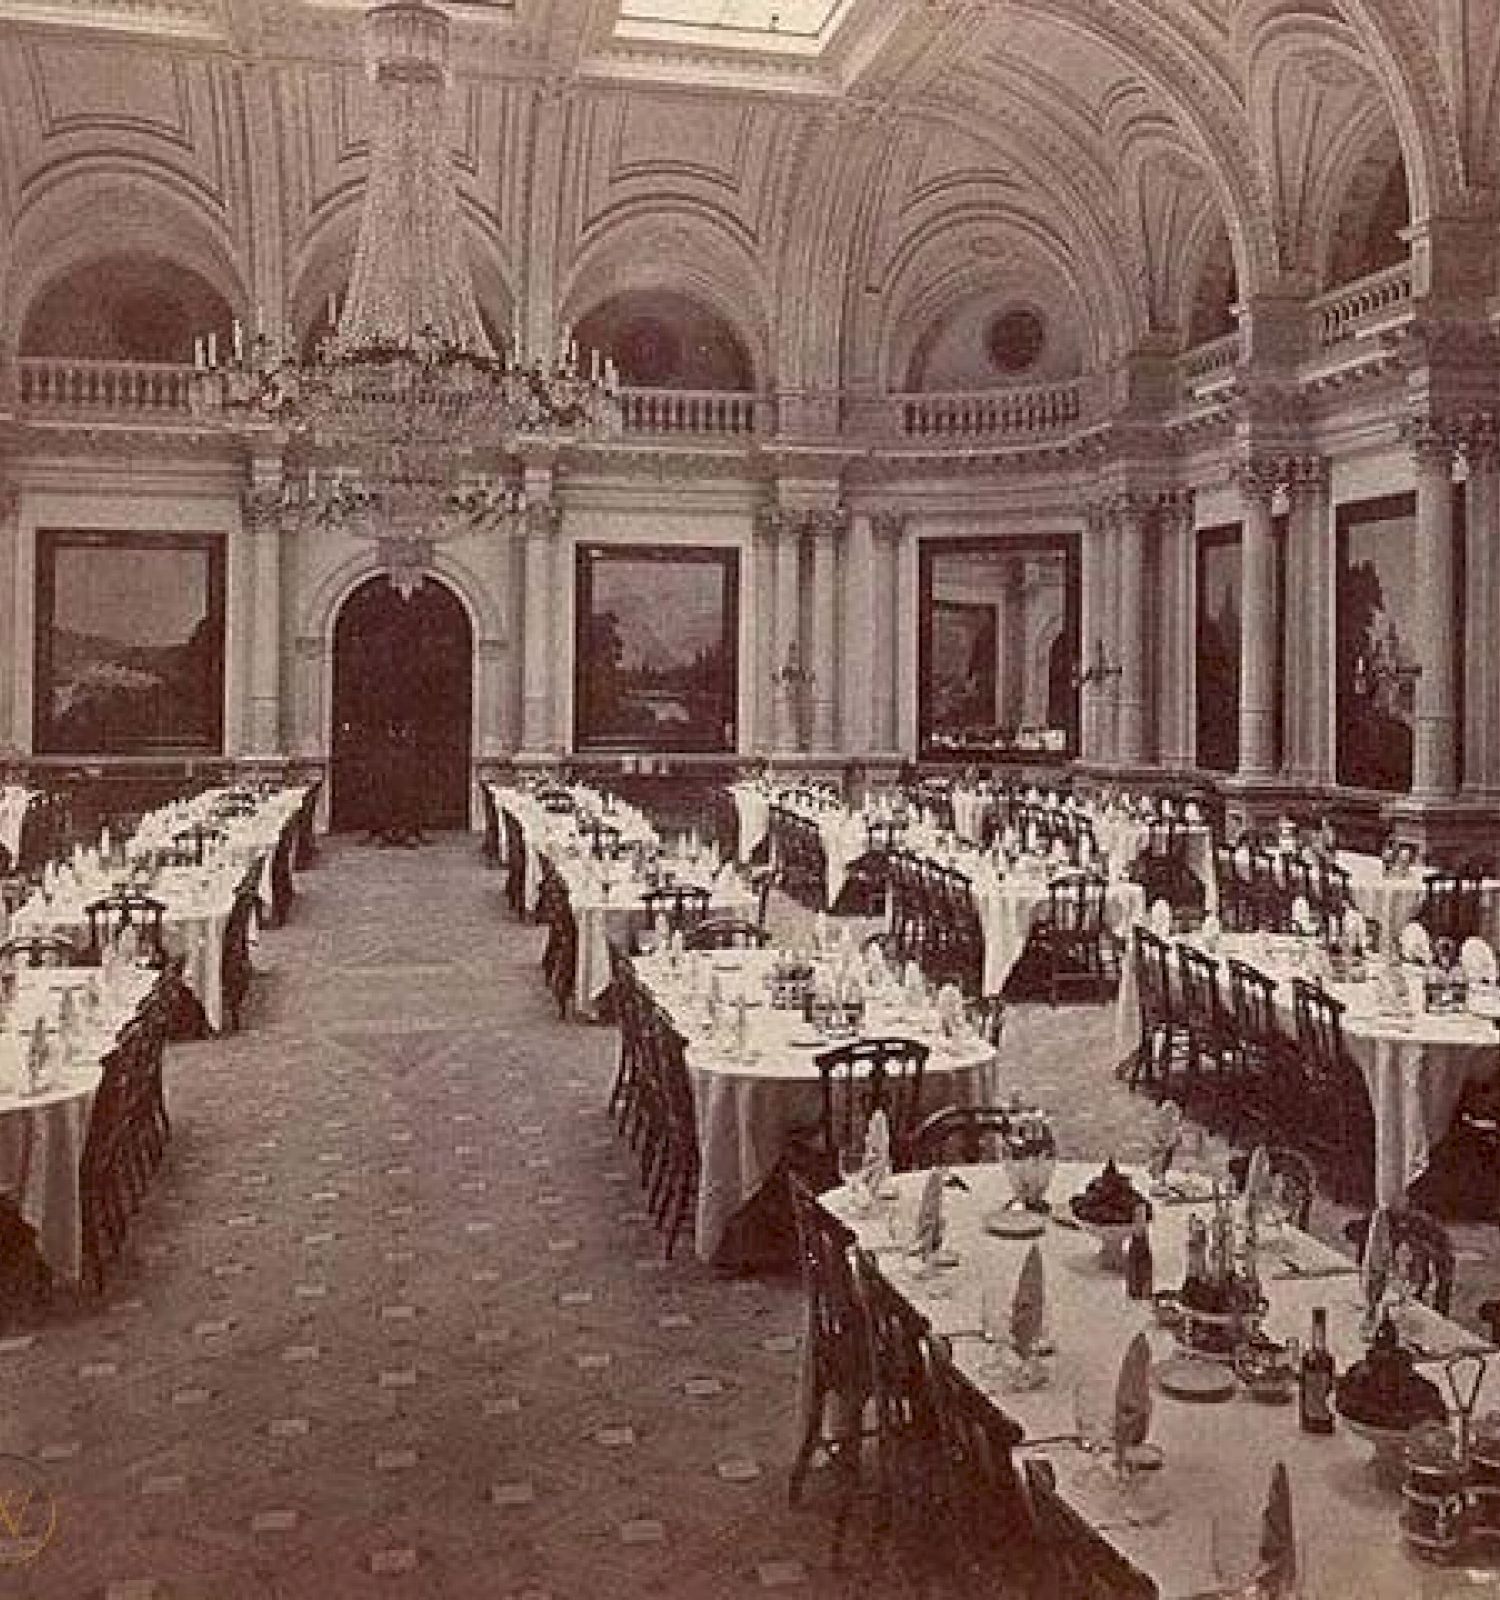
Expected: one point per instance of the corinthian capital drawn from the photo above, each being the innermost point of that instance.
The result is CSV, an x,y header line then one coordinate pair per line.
x,y
264,504
542,518
1259,478
887,524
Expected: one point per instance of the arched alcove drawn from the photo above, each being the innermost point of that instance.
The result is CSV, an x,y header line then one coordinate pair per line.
x,y
403,671
1211,314
125,307
661,339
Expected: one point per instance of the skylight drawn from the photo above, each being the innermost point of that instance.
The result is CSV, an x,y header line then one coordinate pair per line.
x,y
800,26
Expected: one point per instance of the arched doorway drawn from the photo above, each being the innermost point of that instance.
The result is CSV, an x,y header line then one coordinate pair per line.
x,y
402,661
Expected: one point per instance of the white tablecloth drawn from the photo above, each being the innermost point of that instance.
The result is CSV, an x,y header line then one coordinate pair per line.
x,y
1415,1073
1217,1457
247,837
617,916
198,904
42,1136
557,831
746,1110
1395,901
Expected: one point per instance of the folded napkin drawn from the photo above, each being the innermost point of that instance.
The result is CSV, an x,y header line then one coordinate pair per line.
x,y
1028,1310
1212,930
1375,1264
1355,930
1161,919
1278,1543
877,1150
914,982
929,1232
950,1009
1302,917
1415,945
726,881
1192,812
1133,1396
1478,961
1257,1183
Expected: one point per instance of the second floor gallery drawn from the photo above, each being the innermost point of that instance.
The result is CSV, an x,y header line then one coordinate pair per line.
x,y
1103,389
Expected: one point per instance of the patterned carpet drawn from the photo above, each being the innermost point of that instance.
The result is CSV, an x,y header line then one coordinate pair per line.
x,y
394,1322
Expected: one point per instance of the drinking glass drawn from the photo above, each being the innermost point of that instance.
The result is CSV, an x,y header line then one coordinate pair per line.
x,y
1094,1418
854,1169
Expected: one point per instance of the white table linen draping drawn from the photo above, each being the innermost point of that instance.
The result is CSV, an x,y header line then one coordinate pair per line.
x,y
601,917
1216,1458
554,832
1394,901
198,904
42,1136
747,1110
247,837
1415,1068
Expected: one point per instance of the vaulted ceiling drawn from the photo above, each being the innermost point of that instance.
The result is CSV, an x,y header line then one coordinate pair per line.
x,y
840,182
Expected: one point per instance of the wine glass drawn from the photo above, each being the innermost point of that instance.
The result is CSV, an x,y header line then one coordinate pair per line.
x,y
854,1169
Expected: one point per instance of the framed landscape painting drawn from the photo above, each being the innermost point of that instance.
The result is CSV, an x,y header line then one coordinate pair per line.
x,y
129,643
657,656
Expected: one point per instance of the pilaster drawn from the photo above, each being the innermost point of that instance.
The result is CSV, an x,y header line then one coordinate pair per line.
x,y
12,740
1258,481
1481,776
263,508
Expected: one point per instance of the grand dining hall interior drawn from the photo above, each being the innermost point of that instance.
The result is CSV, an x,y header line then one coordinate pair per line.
x,y
749,799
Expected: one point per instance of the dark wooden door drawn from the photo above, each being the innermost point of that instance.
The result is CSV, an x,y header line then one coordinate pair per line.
x,y
403,669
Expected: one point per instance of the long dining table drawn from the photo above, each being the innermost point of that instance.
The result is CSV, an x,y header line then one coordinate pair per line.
x,y
749,1105
1415,1065
43,1132
1197,1514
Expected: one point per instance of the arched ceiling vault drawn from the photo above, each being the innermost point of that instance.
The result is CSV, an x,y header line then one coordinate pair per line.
x,y
1102,142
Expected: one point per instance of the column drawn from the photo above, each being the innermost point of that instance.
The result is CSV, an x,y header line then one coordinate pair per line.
x,y
11,740
1257,484
906,628
1091,630
1130,513
887,528
857,686
541,519
765,697
1307,706
564,637
1010,643
1434,753
1176,632
790,660
1482,616
263,509
825,527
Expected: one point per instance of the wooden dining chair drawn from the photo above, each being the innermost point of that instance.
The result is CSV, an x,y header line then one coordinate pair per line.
x,y
1071,937
678,906
1164,1042
1209,1029
863,1076
1329,1106
39,950
960,1134
908,1431
1452,905
127,909
836,1371
1258,1051
727,933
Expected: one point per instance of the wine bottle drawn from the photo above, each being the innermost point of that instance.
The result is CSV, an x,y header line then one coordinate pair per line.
x,y
1315,1379
1139,1269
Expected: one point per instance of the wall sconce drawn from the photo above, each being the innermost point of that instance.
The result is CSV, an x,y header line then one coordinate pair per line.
x,y
792,675
1098,670
1387,671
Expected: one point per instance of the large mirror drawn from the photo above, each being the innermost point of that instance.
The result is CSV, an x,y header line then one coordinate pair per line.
x,y
658,635
130,643
999,648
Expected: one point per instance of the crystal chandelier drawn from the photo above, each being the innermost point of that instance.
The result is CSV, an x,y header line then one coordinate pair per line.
x,y
405,409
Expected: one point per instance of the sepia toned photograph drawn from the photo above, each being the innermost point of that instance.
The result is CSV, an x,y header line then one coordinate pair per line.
x,y
749,799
